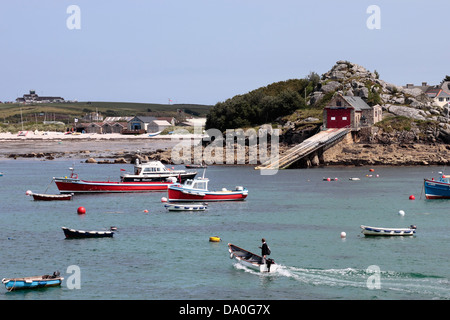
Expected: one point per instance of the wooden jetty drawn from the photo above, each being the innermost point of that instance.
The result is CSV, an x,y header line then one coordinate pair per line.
x,y
322,140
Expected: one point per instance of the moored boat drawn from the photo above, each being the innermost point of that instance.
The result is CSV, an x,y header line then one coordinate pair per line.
x,y
81,234
186,207
51,197
33,282
192,166
197,190
437,189
73,184
155,171
154,134
251,260
376,231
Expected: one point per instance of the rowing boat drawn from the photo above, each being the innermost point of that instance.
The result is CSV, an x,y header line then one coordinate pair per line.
x,y
251,260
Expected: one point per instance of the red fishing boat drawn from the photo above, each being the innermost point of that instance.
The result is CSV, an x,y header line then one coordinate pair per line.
x,y
197,190
73,184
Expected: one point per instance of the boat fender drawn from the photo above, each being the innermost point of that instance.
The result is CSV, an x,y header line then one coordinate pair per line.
x,y
231,255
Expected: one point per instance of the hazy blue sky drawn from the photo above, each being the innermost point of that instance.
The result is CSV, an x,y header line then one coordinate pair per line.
x,y
210,50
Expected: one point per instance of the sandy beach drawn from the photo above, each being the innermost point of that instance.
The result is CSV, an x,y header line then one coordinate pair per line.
x,y
55,144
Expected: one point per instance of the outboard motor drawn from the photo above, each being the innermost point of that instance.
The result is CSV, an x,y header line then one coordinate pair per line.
x,y
269,263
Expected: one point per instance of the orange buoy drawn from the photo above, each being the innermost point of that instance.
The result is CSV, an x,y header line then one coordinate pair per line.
x,y
81,210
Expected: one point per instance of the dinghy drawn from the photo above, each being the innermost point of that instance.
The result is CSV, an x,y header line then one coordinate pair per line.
x,y
186,207
33,282
81,234
51,197
251,260
375,231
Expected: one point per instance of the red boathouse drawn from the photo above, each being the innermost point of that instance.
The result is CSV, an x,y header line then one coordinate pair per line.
x,y
350,112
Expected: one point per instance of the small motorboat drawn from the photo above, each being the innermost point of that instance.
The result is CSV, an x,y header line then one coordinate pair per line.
x,y
197,190
251,260
437,189
33,282
195,166
81,234
375,231
186,207
50,197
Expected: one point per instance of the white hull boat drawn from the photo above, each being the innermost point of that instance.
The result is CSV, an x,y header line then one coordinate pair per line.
x,y
186,207
251,260
376,231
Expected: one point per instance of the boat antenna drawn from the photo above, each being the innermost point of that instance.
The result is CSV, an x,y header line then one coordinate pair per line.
x,y
204,170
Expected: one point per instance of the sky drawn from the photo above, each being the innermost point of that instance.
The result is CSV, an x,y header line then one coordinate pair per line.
x,y
207,51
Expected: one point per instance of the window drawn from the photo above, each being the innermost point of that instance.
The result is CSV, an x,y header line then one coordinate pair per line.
x,y
338,103
344,118
333,118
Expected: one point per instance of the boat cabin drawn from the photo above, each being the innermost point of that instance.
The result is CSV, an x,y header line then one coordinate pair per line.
x,y
199,183
150,168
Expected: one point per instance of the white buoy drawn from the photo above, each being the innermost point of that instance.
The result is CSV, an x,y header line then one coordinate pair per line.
x,y
163,199
401,213
343,234
28,193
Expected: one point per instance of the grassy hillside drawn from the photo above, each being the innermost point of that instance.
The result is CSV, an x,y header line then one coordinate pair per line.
x,y
68,111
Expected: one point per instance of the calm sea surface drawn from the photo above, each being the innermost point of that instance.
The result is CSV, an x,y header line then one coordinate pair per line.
x,y
167,255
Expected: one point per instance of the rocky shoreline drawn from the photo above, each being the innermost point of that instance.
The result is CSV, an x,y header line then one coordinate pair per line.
x,y
346,153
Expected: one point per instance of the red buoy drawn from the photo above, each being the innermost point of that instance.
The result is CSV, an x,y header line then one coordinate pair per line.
x,y
411,197
81,210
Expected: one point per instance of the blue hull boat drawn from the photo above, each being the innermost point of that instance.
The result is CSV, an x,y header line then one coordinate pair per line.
x,y
32,282
437,189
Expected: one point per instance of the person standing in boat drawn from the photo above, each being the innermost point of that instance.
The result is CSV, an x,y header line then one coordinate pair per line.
x,y
265,251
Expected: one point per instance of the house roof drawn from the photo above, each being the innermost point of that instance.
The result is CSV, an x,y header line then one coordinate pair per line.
x,y
161,122
356,102
144,119
442,94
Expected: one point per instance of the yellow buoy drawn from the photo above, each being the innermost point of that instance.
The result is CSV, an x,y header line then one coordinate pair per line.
x,y
214,239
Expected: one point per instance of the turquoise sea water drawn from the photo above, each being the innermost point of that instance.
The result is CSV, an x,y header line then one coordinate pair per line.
x,y
160,255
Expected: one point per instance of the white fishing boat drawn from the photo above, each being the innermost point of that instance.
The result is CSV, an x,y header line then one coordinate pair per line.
x,y
376,231
186,207
251,260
